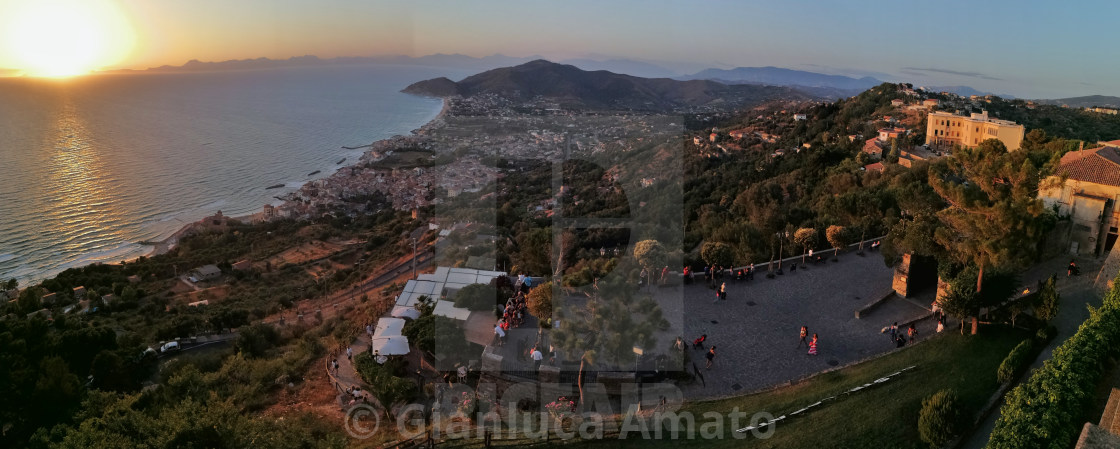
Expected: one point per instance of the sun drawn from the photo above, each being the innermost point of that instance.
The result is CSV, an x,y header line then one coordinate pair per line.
x,y
61,38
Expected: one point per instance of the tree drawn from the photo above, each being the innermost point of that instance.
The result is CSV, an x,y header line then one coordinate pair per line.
x,y
806,238
650,254
109,372
941,418
964,301
391,390
539,302
535,251
129,295
30,300
604,330
254,341
717,253
994,218
837,237
1048,297
477,297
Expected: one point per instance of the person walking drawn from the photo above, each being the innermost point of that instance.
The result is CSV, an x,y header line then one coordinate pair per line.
x,y
813,345
350,354
537,357
711,355
804,335
664,274
940,326
912,333
723,291
894,330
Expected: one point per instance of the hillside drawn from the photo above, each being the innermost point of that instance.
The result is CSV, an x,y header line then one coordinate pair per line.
x,y
572,87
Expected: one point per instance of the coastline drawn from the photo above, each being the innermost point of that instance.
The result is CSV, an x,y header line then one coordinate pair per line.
x,y
169,243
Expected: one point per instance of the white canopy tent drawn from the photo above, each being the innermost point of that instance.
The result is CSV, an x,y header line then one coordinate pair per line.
x,y
396,345
405,312
389,327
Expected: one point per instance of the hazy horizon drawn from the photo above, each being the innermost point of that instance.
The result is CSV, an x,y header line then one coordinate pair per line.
x,y
1029,51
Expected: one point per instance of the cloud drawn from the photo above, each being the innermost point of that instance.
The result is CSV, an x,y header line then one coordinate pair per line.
x,y
919,71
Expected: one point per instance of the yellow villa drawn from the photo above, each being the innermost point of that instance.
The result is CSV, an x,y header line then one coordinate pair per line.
x,y
944,130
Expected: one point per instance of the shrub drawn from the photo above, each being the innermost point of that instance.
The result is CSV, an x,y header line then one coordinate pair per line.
x,y
477,297
1015,361
1047,409
941,418
256,340
1045,334
1048,298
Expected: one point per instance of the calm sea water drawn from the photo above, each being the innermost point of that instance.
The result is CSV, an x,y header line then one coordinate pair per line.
x,y
90,167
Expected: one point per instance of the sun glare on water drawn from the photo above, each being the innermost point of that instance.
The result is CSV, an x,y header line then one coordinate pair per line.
x,y
62,38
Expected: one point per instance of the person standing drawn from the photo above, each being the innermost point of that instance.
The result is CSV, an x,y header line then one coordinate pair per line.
x,y
750,273
664,274
723,291
711,355
804,336
894,330
813,345
912,333
537,357
500,333
350,354
940,326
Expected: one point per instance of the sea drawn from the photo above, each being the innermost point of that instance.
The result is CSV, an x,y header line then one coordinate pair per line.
x,y
91,167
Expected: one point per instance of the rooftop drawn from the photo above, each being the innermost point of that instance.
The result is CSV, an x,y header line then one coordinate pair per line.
x,y
1099,165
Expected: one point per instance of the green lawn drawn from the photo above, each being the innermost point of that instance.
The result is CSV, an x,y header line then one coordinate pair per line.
x,y
884,415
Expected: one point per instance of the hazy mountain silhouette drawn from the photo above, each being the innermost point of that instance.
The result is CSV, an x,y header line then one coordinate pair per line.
x,y
573,87
436,60
1087,101
965,91
778,76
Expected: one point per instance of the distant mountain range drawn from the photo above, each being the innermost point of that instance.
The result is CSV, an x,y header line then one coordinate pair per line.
x,y
571,86
778,76
1085,102
966,91
437,60
815,84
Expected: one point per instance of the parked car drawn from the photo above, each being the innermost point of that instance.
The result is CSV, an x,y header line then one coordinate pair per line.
x,y
170,346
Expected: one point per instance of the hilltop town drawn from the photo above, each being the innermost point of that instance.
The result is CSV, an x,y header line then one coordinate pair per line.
x,y
547,234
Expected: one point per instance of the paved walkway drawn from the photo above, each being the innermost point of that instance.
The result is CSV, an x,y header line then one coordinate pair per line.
x,y
347,376
756,328
1075,292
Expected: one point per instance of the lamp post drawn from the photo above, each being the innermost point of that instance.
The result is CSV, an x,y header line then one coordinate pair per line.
x,y
781,248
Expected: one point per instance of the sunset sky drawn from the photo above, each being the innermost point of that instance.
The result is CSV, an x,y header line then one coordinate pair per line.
x,y
1027,49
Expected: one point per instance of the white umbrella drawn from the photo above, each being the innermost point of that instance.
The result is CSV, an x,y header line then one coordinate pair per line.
x,y
390,345
389,327
405,312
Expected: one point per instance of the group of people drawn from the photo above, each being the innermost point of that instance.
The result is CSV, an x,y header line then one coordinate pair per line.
x,y
811,344
513,315
645,277
900,339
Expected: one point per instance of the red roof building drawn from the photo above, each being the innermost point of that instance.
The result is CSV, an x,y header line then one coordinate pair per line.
x,y
1098,166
